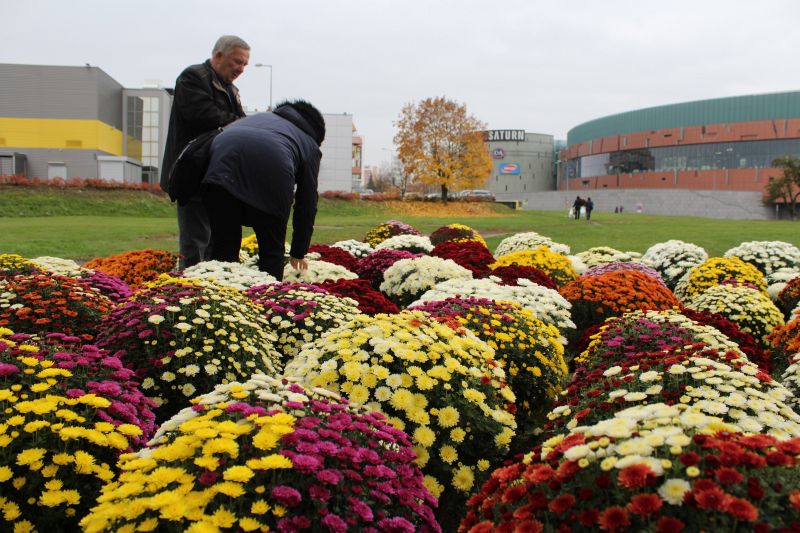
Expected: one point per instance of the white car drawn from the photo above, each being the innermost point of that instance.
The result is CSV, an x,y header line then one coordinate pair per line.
x,y
479,194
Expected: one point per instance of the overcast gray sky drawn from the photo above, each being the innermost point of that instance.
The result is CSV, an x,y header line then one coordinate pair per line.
x,y
544,67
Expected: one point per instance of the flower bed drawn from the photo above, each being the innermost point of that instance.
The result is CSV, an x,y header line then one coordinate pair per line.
x,y
370,301
511,274
234,275
13,264
299,313
267,454
65,416
357,249
372,266
43,303
528,241
471,255
407,279
439,385
615,266
650,468
557,266
390,228
595,298
548,306
529,350
784,342
715,382
714,271
789,297
317,271
183,337
335,255
750,309
767,256
600,255
458,233
753,349
137,267
673,259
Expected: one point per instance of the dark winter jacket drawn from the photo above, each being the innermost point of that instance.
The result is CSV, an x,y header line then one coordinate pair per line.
x,y
261,159
202,102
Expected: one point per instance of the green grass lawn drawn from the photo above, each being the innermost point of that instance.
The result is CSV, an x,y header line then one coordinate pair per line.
x,y
82,225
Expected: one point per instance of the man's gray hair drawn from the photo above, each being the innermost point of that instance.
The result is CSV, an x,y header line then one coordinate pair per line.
x,y
227,43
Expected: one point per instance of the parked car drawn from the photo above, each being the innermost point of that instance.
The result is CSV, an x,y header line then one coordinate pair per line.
x,y
367,192
479,194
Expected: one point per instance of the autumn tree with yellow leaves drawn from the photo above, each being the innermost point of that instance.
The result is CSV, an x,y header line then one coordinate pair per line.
x,y
438,143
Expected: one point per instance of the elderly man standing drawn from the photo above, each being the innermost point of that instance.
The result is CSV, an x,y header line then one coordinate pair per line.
x,y
205,99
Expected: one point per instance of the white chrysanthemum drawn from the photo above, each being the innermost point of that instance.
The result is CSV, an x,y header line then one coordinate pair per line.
x,y
791,380
600,255
410,243
767,256
235,275
408,278
60,266
578,265
356,248
318,271
673,490
673,259
547,304
528,241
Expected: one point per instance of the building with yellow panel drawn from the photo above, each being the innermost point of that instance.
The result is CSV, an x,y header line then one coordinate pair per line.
x,y
78,122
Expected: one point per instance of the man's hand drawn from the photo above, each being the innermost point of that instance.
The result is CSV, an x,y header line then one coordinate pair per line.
x,y
298,264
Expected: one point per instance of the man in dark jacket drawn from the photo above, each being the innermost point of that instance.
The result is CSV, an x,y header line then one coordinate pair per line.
x,y
259,166
205,99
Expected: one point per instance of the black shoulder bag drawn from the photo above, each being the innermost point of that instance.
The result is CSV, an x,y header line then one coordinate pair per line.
x,y
190,167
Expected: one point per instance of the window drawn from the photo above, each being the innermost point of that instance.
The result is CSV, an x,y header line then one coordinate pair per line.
x,y
56,170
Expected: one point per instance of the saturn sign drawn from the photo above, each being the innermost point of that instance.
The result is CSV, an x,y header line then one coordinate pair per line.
x,y
509,168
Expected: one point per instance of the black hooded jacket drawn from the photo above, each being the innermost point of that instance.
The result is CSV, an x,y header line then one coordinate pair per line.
x,y
260,160
202,103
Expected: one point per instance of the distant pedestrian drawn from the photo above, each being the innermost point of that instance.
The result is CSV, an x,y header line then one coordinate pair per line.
x,y
639,207
589,206
576,207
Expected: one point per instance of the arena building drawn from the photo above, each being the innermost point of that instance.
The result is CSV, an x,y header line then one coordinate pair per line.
x,y
710,149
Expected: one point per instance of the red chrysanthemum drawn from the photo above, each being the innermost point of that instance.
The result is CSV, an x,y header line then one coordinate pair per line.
x,y
528,526
510,275
370,301
539,473
668,524
710,499
562,503
588,517
334,255
794,499
741,509
636,476
729,476
614,518
645,504
472,255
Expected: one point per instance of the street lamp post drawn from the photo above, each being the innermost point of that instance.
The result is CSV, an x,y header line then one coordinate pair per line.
x,y
270,83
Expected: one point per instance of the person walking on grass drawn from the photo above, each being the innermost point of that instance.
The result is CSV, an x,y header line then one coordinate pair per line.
x,y
589,206
576,207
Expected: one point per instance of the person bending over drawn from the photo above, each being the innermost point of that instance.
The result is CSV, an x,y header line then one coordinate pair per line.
x,y
261,165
